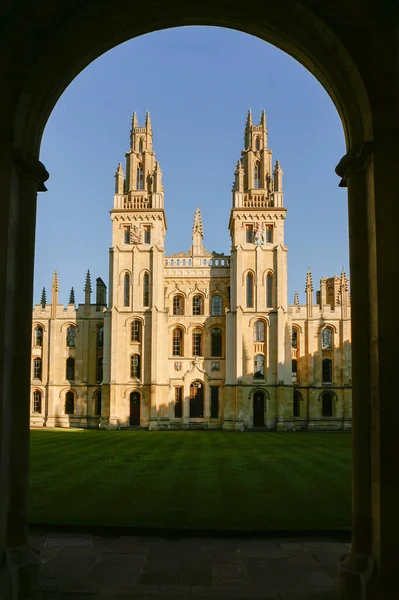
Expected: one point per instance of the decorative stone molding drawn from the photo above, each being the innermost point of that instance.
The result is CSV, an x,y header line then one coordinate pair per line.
x,y
30,167
353,161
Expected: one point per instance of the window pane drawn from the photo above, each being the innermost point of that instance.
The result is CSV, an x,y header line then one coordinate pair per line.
x,y
178,305
70,337
250,291
69,403
294,338
257,175
126,290
259,363
197,305
70,369
216,342
100,337
100,368
294,371
327,370
178,402
249,234
269,291
140,177
135,366
37,368
177,349
326,339
135,331
146,290
197,343
259,331
38,336
126,235
147,235
37,402
269,234
217,305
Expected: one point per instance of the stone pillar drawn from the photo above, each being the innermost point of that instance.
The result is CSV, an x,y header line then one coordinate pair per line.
x,y
22,176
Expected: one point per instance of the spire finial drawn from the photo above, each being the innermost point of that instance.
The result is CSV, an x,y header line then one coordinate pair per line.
x,y
148,124
55,282
309,283
72,297
249,120
263,117
296,299
43,300
197,227
135,122
87,288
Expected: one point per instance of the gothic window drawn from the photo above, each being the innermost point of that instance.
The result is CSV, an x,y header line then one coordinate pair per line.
x,y
135,331
326,338
140,145
140,177
327,405
70,369
250,290
327,370
178,402
214,402
259,367
97,403
147,234
257,175
126,290
216,342
297,404
71,336
38,336
294,370
269,290
37,368
146,290
37,401
198,305
99,368
217,305
197,342
69,403
259,331
294,337
100,337
177,347
126,235
178,305
135,366
249,234
257,143
269,234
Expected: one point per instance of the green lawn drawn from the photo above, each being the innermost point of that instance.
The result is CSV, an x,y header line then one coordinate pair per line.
x,y
179,479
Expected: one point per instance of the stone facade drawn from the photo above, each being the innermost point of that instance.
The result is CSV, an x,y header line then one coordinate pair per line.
x,y
198,339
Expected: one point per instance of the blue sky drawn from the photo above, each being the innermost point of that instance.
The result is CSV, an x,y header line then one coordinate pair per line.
x,y
198,83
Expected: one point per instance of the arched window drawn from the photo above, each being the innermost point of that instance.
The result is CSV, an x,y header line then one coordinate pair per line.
x,y
100,337
327,404
197,342
326,338
294,337
178,305
198,305
216,342
38,336
217,305
257,175
257,143
327,370
99,368
140,177
259,331
146,290
37,401
259,367
135,332
97,403
141,145
269,290
250,290
177,347
297,404
37,368
69,403
71,336
269,234
294,370
126,290
135,366
70,369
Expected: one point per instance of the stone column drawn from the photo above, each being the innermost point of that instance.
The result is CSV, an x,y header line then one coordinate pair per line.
x,y
23,177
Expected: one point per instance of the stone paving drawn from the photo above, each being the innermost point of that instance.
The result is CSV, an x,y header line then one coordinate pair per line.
x,y
83,566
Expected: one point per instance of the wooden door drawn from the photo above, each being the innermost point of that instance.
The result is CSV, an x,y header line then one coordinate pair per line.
x,y
259,409
134,409
196,400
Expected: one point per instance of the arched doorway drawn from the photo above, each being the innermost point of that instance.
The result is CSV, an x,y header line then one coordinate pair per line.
x,y
259,409
135,409
196,400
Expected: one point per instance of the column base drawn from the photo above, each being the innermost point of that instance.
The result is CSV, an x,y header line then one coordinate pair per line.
x,y
20,576
113,423
354,573
239,425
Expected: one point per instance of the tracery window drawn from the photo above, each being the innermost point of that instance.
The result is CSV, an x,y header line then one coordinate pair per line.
x,y
38,336
100,337
216,342
71,336
259,366
259,331
126,290
146,290
250,290
37,401
197,342
327,404
177,345
70,369
269,290
294,370
99,368
135,366
294,337
140,177
198,305
257,175
178,305
37,368
327,370
217,305
69,403
326,338
135,331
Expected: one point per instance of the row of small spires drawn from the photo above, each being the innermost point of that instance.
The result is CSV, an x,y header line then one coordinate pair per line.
x,y
87,289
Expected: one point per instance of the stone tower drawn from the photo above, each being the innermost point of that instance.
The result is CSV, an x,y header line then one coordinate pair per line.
x,y
258,367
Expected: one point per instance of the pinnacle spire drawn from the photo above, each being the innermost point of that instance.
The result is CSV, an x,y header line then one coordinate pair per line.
x,y
309,282
148,123
197,227
72,297
248,124
296,299
87,288
263,117
119,170
135,122
55,282
43,300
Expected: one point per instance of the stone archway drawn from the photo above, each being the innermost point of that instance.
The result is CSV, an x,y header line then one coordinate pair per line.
x,y
47,44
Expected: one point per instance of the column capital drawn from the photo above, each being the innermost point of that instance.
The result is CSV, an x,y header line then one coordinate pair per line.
x,y
29,167
353,161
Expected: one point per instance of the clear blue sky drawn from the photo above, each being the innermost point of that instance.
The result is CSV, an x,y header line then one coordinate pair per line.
x,y
198,83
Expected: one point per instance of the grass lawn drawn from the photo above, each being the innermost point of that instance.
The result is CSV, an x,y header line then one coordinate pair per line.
x,y
189,479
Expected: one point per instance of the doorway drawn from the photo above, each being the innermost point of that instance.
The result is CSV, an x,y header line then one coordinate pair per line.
x,y
196,400
259,409
135,403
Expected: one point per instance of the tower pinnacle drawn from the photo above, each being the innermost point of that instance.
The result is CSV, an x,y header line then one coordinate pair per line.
x,y
87,288
54,295
198,233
